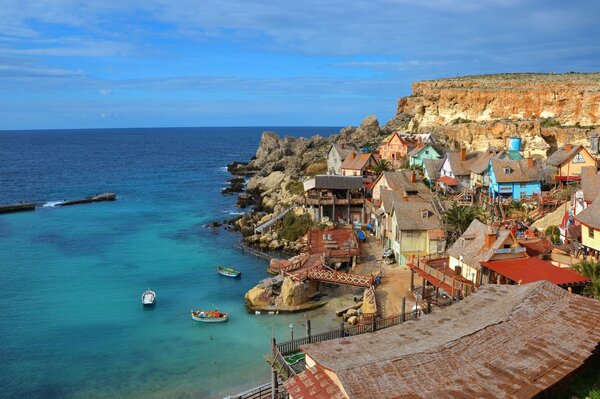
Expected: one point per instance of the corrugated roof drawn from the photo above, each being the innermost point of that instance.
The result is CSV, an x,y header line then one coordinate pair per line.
x,y
529,270
561,155
314,383
336,182
519,170
590,183
590,216
504,341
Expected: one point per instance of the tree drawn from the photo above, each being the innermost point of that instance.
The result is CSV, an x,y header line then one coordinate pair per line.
x,y
590,269
383,166
458,218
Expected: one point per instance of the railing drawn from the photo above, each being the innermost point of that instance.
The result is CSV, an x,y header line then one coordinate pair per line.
x,y
260,392
358,280
458,286
284,370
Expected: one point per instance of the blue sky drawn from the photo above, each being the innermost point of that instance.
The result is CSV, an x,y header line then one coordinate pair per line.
x,y
131,63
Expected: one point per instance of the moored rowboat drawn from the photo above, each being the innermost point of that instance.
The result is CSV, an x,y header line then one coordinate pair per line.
x,y
211,316
228,271
148,298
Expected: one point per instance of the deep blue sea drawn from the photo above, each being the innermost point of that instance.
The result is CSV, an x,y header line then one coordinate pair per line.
x,y
71,320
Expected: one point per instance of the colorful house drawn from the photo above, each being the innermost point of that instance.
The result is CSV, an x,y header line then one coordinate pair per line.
x,y
590,228
515,178
422,152
569,160
336,155
397,146
454,173
416,230
359,164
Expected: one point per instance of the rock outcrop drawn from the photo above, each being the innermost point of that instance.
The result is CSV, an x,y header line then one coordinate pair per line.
x,y
545,109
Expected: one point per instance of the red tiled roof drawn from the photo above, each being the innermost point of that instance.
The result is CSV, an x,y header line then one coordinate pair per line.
x,y
529,270
313,383
537,247
447,180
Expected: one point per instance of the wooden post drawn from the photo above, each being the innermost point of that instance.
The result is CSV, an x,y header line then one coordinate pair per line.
x,y
341,329
308,334
403,317
428,306
412,280
423,289
274,380
373,324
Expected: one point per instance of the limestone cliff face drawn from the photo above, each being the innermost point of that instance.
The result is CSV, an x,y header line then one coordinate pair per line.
x,y
545,109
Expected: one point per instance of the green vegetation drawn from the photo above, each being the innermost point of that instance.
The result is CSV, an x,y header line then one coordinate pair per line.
x,y
586,383
590,269
295,187
294,227
459,217
383,166
458,121
550,122
553,233
316,168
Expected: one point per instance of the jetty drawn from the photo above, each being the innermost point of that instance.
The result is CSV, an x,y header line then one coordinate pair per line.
x,y
93,198
21,207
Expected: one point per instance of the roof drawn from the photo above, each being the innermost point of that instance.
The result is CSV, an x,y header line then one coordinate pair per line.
x,y
399,181
537,247
481,163
447,180
529,270
590,216
343,149
314,383
561,155
415,216
357,162
432,167
471,245
459,167
334,182
388,197
590,183
504,341
520,171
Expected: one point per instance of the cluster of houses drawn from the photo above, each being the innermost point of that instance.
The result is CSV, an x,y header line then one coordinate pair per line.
x,y
403,206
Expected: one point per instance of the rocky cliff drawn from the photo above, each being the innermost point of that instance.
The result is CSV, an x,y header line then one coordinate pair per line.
x,y
545,109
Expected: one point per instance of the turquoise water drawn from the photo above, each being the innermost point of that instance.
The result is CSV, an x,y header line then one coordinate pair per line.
x,y
71,321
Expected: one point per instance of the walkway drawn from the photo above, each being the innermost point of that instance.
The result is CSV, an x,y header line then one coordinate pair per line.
x,y
262,227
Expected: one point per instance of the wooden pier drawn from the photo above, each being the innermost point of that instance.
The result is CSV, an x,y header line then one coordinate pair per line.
x,y
11,208
93,198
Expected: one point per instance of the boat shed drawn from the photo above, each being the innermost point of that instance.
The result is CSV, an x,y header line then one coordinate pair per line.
x,y
504,341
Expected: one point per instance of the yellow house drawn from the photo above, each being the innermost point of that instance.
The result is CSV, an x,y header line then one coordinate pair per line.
x,y
569,159
416,230
590,228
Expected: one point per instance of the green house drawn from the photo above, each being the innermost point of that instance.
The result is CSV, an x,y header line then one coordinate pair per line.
x,y
418,154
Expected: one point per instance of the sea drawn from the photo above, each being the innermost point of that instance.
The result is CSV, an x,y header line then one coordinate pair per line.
x,y
71,320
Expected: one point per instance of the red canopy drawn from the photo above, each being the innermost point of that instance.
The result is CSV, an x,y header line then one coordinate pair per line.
x,y
528,270
447,180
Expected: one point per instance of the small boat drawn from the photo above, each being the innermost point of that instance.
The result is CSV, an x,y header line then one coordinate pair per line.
x,y
211,316
148,298
228,271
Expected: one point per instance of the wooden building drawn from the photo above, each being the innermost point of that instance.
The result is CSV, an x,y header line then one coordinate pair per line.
x,y
569,160
339,198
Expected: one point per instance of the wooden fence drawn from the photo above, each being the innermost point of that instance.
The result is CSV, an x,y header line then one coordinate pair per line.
x,y
260,392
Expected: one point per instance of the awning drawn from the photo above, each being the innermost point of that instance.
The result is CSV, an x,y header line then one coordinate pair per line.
x,y
447,180
528,270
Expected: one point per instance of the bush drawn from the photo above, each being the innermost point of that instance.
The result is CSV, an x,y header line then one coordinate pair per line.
x,y
550,122
553,233
294,227
317,168
295,187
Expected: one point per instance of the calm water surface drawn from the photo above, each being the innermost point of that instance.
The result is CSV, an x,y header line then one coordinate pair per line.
x,y
71,321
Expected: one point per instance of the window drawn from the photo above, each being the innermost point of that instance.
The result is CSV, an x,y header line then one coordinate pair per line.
x,y
506,170
578,158
424,213
426,152
591,232
523,185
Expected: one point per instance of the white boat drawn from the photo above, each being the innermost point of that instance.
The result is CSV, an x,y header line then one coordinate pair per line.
x,y
211,316
148,298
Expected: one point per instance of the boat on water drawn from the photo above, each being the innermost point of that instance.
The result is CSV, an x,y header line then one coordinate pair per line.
x,y
228,271
211,316
148,298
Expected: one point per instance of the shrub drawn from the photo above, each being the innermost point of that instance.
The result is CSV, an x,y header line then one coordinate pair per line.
x,y
553,233
295,187
294,227
550,122
317,168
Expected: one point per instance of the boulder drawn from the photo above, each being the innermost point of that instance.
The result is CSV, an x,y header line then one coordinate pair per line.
x,y
292,293
275,245
257,296
353,320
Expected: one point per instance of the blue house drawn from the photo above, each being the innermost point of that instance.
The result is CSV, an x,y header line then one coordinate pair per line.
x,y
422,152
516,179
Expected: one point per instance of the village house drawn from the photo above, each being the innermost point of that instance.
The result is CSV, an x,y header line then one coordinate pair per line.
x,y
569,160
454,173
359,164
416,230
405,182
590,228
381,220
515,179
480,243
431,170
339,198
336,155
504,341
480,177
421,152
396,148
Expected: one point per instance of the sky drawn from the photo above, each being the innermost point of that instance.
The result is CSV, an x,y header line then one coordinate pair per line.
x,y
159,63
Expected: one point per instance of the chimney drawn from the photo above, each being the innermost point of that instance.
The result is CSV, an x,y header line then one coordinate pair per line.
x,y
568,147
413,176
490,239
342,146
463,154
352,155
405,197
530,162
